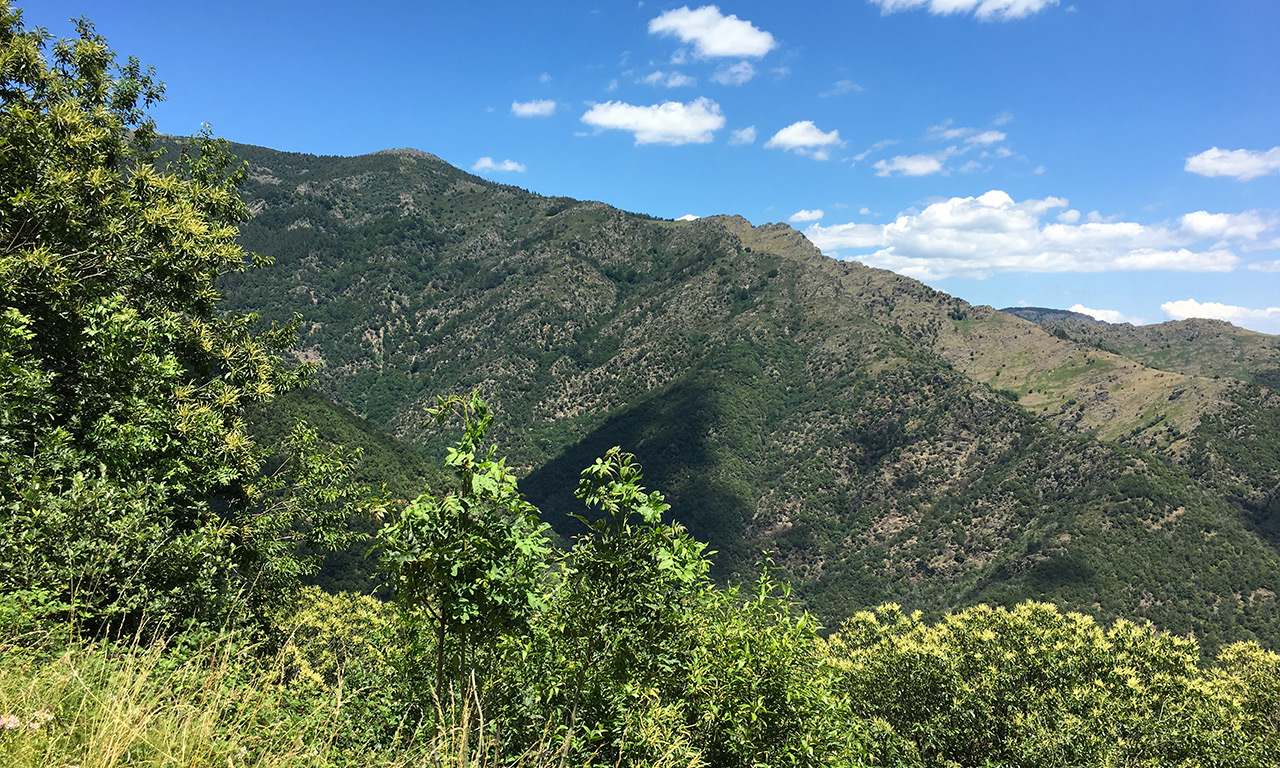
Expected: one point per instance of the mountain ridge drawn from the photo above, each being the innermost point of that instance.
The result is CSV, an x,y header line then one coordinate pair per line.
x,y
884,440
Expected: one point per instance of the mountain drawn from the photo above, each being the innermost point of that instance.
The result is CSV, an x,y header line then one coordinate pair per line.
x,y
882,440
1196,347
1047,315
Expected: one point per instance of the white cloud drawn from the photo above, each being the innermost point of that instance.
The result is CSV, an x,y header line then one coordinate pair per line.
x,y
712,33
743,136
1106,315
668,79
487,164
986,138
841,87
736,75
670,122
806,215
1182,260
1246,226
946,131
1004,118
914,165
545,77
805,138
535,108
1241,164
1181,310
976,237
986,10
1265,266
688,217
879,145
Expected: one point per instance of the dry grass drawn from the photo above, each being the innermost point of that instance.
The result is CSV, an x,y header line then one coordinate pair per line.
x,y
111,705
221,704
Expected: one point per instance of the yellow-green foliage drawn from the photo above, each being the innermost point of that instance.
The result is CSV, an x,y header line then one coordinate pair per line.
x,y
1033,686
331,639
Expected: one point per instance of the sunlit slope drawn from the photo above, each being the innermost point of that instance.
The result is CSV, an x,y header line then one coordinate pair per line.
x,y
1197,347
848,420
1098,379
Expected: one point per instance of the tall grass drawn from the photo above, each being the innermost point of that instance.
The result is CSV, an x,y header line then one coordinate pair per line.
x,y
216,703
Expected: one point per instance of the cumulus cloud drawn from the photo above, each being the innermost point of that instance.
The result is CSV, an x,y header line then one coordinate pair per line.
x,y
743,136
986,137
914,165
806,215
736,75
1265,266
805,138
976,237
712,33
986,10
535,108
1181,310
668,79
506,166
688,217
670,122
1245,226
1240,164
1106,315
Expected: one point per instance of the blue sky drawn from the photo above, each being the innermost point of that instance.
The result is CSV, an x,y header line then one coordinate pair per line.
x,y
1121,156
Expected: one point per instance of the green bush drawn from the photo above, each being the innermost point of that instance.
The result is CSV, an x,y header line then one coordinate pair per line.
x,y
1033,686
129,485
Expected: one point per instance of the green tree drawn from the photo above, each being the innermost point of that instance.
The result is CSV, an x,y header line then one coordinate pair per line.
x,y
609,655
129,483
466,566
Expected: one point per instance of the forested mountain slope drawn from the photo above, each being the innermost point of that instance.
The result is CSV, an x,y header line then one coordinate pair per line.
x,y
1196,346
885,441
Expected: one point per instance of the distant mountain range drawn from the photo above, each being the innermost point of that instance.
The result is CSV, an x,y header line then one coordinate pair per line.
x,y
881,440
1044,315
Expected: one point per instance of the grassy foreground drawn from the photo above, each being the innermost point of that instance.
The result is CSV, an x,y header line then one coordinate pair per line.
x,y
984,687
211,703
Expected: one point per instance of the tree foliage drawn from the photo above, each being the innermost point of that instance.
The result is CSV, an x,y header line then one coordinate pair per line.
x,y
465,566
129,482
1033,686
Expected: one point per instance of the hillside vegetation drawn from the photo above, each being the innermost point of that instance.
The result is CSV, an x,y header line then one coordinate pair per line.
x,y
885,441
165,500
